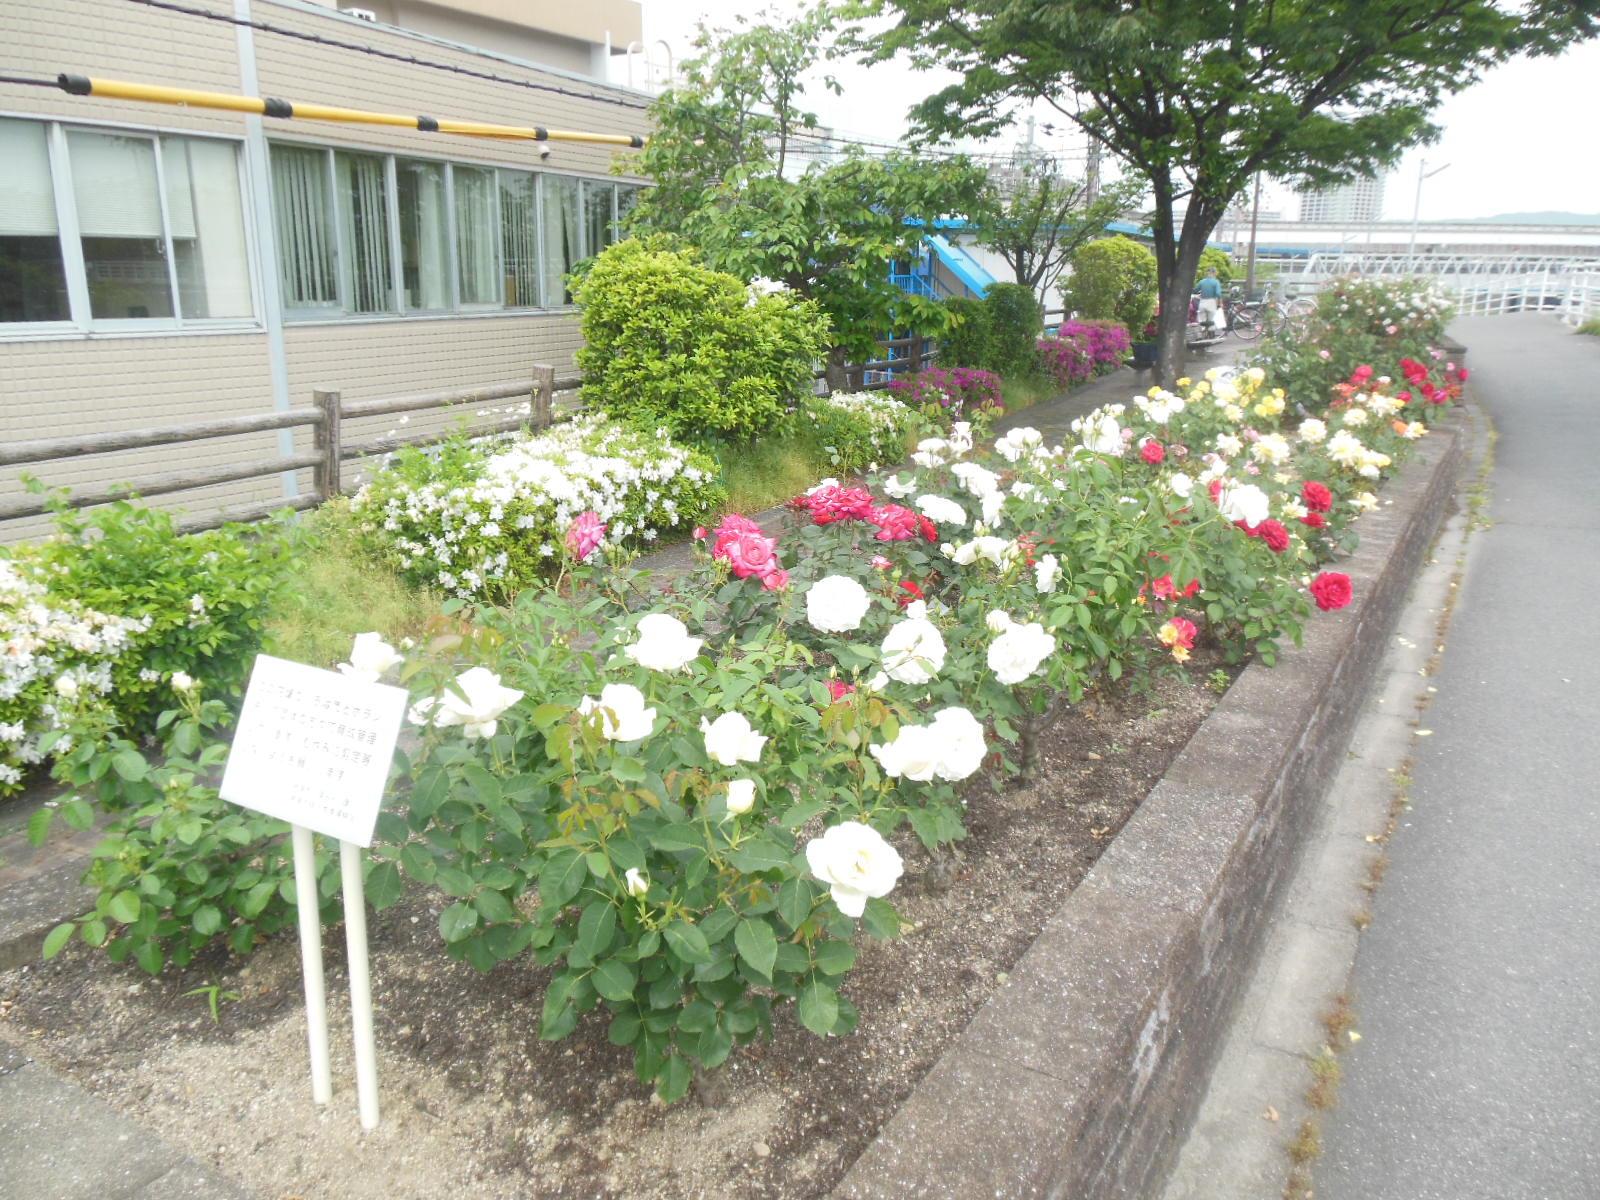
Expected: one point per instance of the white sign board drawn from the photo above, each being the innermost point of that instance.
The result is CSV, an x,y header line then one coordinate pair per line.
x,y
313,748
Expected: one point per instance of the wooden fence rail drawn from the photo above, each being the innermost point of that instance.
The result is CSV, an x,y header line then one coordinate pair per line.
x,y
326,417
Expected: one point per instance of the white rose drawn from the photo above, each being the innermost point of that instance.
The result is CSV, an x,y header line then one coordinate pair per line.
x,y
182,682
980,481
1017,653
1244,502
741,796
1355,416
476,708
1270,449
637,882
1313,430
623,716
998,621
1181,485
370,658
730,739
914,754
961,437
856,863
836,604
961,744
664,644
913,651
66,686
941,510
897,489
1099,432
992,504
1045,573
1228,444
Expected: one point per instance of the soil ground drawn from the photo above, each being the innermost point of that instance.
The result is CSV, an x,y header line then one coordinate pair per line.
x,y
476,1105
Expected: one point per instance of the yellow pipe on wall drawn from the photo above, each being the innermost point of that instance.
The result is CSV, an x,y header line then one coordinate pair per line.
x,y
150,93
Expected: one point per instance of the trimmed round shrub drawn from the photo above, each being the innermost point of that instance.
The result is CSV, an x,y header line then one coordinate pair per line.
x,y
1113,279
670,343
1016,318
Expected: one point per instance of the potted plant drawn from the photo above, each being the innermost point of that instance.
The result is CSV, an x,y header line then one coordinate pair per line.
x,y
1144,346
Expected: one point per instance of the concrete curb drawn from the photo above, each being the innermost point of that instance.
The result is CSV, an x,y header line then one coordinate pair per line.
x,y
1080,1077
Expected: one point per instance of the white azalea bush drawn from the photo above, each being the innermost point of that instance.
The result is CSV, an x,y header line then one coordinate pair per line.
x,y
858,430
484,522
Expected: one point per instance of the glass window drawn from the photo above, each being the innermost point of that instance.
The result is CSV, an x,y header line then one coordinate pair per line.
x,y
563,232
424,234
599,227
627,201
476,251
303,217
33,277
206,214
119,222
519,237
364,231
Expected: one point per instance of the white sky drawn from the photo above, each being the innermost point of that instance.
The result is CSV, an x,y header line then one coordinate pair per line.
x,y
1514,142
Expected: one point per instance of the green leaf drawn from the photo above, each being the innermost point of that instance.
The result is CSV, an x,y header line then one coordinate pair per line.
x,y
457,921
881,920
678,837
130,764
207,919
687,942
125,907
417,862
628,770
58,937
39,825
430,791
834,957
760,854
95,932
673,1080
614,980
818,1007
150,958
794,902
596,927
757,945
493,906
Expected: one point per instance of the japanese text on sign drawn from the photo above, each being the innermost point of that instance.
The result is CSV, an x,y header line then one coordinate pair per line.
x,y
313,748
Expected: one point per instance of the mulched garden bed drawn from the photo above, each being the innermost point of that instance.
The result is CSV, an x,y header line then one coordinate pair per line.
x,y
475,1104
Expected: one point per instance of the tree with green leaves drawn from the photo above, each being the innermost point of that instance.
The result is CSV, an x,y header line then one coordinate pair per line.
x,y
1200,95
724,157
1037,221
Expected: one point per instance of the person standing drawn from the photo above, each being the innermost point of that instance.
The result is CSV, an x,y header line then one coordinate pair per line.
x,y
1211,301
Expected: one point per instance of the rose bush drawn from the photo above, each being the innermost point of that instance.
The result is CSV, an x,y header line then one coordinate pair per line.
x,y
684,801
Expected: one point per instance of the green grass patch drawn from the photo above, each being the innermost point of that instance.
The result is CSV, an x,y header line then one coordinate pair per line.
x,y
1591,327
338,589
1019,394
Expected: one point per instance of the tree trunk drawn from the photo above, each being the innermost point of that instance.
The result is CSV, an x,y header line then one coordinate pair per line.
x,y
838,376
1176,281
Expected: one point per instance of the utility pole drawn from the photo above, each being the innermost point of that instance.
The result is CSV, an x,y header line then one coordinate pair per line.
x,y
1416,209
1091,174
1250,263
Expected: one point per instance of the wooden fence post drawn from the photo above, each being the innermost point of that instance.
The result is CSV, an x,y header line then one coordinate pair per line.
x,y
544,387
330,444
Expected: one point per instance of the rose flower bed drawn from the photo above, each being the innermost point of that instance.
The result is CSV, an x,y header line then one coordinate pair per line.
x,y
680,807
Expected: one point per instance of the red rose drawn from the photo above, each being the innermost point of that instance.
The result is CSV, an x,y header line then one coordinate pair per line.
x,y
895,522
1316,496
913,592
1191,588
1274,535
838,688
1163,588
1361,374
1152,452
1331,590
1215,488
1315,520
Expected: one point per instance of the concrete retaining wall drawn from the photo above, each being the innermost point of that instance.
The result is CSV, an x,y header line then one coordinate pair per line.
x,y
1079,1078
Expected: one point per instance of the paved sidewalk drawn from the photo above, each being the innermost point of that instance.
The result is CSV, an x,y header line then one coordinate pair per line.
x,y
1478,985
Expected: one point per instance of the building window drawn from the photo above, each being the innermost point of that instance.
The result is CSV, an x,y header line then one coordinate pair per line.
x,y
99,227
372,234
519,237
424,235
563,237
303,218
33,273
477,247
364,223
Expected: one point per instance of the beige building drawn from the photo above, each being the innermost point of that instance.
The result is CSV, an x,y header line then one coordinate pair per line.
x,y
165,264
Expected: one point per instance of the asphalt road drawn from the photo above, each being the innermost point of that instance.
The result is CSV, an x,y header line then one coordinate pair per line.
x,y
1477,987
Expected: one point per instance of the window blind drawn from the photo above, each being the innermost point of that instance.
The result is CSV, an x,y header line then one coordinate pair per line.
x,y
114,184
301,214
27,201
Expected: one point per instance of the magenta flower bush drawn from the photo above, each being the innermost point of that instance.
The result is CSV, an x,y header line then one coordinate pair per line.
x,y
950,393
1081,350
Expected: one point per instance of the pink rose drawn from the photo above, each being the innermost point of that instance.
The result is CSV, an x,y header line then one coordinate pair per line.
x,y
895,523
775,580
879,562
838,688
748,553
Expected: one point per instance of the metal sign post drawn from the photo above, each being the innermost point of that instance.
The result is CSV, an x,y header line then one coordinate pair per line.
x,y
313,748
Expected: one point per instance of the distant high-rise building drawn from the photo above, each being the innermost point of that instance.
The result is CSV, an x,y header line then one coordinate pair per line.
x,y
1358,200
